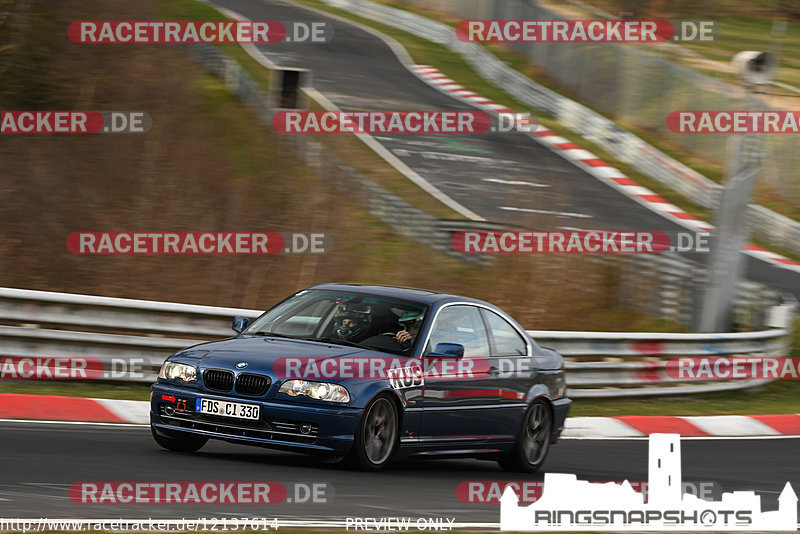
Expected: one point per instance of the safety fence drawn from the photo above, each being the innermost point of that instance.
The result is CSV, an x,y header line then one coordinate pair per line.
x,y
44,334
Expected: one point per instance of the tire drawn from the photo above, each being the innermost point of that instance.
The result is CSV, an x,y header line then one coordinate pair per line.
x,y
533,441
376,439
180,442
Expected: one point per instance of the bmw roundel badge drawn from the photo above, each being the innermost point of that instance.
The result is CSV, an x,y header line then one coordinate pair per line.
x,y
241,365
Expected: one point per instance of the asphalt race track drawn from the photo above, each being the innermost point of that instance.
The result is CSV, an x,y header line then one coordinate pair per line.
x,y
42,460
356,70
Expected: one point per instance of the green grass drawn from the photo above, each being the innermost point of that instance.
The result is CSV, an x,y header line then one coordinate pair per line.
x,y
350,148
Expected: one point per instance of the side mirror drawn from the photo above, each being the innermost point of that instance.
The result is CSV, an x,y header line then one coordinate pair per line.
x,y
448,350
240,323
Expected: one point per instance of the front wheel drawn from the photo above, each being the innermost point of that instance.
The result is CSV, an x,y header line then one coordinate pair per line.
x,y
376,438
181,442
533,442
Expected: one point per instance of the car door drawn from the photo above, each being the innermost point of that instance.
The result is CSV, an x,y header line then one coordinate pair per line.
x,y
462,405
512,361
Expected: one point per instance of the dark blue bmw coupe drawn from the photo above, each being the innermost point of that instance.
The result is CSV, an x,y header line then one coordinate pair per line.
x,y
369,373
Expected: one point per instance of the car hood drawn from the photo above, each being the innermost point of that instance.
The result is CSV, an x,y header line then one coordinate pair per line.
x,y
260,353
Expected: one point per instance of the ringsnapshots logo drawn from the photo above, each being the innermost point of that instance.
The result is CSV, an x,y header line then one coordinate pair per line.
x,y
567,503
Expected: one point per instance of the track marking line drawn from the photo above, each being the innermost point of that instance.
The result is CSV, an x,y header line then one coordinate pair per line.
x,y
547,212
514,182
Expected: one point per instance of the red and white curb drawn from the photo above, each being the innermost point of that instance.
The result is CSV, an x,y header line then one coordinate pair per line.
x,y
699,426
590,163
55,408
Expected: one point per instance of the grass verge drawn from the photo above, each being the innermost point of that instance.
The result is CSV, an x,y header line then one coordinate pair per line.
x,y
349,147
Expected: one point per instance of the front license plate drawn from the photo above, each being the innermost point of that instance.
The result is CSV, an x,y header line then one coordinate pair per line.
x,y
228,409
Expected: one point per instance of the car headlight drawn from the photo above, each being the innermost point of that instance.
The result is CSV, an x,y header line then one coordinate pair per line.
x,y
316,390
178,371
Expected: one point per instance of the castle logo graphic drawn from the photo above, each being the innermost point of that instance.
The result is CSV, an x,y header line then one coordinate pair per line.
x,y
571,504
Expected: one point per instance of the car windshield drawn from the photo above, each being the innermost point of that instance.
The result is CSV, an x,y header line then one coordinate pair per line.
x,y
353,319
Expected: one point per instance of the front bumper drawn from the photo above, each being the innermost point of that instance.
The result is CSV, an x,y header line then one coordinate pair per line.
x,y
289,426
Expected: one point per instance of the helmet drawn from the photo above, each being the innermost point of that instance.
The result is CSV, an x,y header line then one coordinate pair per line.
x,y
409,317
352,319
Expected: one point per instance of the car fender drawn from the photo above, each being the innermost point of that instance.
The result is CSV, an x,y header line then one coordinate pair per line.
x,y
363,393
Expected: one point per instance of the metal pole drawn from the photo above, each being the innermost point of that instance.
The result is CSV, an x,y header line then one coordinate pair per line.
x,y
726,269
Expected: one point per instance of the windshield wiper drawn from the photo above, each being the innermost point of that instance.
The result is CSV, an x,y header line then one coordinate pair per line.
x,y
270,334
333,341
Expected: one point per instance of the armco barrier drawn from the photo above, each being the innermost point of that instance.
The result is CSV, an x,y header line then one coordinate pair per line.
x,y
765,223
634,364
599,364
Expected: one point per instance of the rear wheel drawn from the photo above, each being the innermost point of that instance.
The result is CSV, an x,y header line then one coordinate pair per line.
x,y
533,442
376,438
181,442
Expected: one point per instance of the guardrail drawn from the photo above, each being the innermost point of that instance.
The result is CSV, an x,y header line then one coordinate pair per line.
x,y
128,340
635,364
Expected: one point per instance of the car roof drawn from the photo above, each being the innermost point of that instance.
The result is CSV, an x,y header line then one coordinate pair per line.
x,y
424,296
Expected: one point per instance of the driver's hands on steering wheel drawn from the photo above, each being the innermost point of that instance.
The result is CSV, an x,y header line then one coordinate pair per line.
x,y
403,336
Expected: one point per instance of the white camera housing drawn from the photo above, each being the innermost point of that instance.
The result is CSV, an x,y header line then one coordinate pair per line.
x,y
755,68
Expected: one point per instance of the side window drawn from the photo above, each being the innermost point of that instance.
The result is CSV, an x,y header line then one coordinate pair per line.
x,y
507,341
463,325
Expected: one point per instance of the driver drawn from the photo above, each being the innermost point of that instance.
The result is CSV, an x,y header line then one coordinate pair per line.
x,y
352,320
410,321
